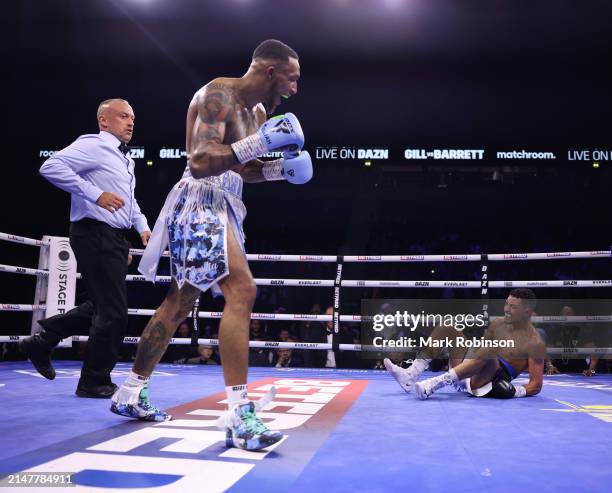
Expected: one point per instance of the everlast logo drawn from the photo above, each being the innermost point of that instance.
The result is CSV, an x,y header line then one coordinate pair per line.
x,y
369,257
277,282
311,257
268,257
515,255
422,283
570,283
559,254
305,317
455,257
309,283
602,282
412,257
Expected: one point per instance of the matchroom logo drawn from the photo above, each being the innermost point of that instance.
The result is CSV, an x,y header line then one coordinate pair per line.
x,y
189,453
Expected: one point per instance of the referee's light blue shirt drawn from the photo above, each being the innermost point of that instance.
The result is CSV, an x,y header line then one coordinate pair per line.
x,y
93,164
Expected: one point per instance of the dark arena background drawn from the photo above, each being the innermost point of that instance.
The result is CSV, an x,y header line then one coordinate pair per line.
x,y
436,127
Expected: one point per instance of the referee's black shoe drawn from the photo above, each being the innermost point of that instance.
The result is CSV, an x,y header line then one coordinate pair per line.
x,y
38,352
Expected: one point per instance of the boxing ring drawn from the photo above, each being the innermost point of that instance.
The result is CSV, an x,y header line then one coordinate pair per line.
x,y
347,430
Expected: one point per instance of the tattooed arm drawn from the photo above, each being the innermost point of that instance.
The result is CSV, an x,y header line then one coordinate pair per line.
x,y
208,155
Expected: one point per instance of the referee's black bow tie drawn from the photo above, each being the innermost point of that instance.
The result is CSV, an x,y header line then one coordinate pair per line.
x,y
123,147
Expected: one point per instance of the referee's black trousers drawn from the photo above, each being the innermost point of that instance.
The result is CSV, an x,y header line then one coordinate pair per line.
x,y
101,252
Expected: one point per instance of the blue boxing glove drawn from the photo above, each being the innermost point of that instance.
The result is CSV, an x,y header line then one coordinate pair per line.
x,y
296,170
282,133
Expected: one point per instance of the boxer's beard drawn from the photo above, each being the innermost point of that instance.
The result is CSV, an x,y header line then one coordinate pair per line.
x,y
270,103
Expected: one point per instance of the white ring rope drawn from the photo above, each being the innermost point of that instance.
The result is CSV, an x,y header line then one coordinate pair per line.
x,y
318,345
347,283
308,317
597,283
374,258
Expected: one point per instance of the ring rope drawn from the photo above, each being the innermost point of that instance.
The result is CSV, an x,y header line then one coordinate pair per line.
x,y
593,283
316,345
304,317
373,258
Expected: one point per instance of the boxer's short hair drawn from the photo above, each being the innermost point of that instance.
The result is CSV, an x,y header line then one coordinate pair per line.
x,y
526,296
273,49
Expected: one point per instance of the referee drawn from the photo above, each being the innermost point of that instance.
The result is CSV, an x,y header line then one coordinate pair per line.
x,y
99,175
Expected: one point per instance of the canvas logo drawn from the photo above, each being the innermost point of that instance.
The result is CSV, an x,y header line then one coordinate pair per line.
x,y
188,452
601,412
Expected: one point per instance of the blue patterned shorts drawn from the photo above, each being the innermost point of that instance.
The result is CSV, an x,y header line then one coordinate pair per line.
x,y
198,246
